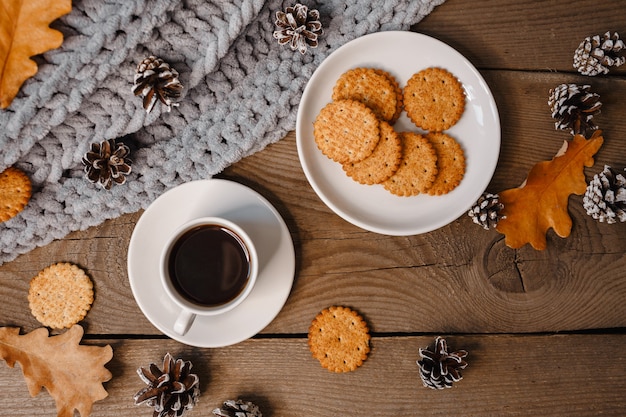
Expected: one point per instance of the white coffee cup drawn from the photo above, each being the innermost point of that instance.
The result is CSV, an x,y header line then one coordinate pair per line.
x,y
208,267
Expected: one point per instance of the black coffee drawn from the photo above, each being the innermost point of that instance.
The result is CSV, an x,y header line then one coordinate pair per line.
x,y
209,265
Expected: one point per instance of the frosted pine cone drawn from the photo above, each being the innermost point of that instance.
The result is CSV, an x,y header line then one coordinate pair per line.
x,y
486,211
239,408
156,80
440,369
596,54
172,390
573,107
299,27
605,198
107,164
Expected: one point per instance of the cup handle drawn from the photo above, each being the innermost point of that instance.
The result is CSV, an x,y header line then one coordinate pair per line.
x,y
183,322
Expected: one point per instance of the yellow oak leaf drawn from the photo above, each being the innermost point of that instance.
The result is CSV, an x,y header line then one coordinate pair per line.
x,y
25,32
72,373
540,203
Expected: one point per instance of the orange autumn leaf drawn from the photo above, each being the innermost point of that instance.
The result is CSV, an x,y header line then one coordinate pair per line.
x,y
25,32
72,373
541,202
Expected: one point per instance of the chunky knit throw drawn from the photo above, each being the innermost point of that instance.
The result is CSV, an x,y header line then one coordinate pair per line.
x,y
242,91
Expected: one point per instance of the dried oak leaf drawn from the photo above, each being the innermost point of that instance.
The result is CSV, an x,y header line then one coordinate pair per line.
x,y
25,32
541,201
72,373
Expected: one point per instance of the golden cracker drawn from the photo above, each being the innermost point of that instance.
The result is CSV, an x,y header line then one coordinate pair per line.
x,y
15,192
375,88
418,168
60,295
346,131
382,163
434,99
339,339
450,163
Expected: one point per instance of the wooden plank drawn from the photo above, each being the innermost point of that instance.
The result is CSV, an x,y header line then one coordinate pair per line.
x,y
534,35
549,375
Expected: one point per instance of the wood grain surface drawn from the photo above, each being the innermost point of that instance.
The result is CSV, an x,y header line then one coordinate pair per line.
x,y
545,329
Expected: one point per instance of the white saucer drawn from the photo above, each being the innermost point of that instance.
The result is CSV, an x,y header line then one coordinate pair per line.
x,y
234,202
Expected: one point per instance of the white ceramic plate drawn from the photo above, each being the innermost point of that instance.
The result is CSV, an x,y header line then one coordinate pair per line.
x,y
234,202
372,207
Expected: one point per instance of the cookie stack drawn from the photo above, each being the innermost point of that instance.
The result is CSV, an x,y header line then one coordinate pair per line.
x,y
356,130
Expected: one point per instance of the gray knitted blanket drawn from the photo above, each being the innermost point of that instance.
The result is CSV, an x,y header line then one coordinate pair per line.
x,y
242,91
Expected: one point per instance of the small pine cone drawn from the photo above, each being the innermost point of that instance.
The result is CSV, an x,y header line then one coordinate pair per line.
x,y
156,80
299,27
486,211
239,408
596,54
605,198
106,163
438,368
573,107
171,391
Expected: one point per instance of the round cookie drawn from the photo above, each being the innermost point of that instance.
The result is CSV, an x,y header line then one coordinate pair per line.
x,y
15,192
375,88
60,295
450,163
346,131
382,163
434,99
339,339
418,168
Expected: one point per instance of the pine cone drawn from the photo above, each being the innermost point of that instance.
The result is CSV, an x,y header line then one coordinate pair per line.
x,y
238,408
438,368
596,54
297,26
573,107
106,163
486,211
171,391
605,198
155,79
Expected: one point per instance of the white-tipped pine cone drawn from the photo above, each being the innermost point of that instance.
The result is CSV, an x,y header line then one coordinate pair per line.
x,y
605,198
573,107
299,27
439,368
156,81
486,211
239,408
596,54
171,391
107,163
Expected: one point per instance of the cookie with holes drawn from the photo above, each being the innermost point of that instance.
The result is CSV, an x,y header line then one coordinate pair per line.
x,y
418,168
346,131
339,339
15,192
450,163
434,99
382,163
373,87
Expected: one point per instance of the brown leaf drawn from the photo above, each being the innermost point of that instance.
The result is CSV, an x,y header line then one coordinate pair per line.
x,y
24,32
72,373
541,202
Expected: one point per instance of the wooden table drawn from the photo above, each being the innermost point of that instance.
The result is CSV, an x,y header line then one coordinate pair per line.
x,y
544,329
